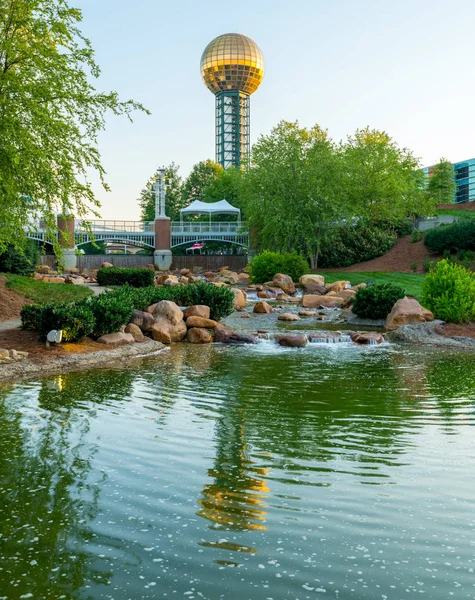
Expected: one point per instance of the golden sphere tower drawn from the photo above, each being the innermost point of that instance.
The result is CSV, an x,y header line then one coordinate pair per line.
x,y
232,67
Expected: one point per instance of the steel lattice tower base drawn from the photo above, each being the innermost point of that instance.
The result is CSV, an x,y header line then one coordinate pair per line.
x,y
232,129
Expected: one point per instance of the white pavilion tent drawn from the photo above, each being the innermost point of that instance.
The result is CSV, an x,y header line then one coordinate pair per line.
x,y
210,208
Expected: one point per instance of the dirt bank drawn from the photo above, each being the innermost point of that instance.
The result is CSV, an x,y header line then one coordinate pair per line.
x,y
11,303
400,258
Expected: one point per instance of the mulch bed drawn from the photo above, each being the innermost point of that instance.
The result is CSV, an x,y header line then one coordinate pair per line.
x,y
400,258
27,341
11,303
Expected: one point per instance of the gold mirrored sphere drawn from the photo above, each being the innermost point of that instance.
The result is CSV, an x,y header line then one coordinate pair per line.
x,y
232,62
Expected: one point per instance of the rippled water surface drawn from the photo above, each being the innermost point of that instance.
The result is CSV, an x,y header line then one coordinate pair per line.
x,y
242,473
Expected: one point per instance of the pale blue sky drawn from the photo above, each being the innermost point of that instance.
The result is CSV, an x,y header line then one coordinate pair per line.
x,y
405,66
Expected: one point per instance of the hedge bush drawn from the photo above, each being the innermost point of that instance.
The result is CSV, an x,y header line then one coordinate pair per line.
x,y
75,319
448,290
376,301
109,311
264,266
120,276
354,243
451,238
19,263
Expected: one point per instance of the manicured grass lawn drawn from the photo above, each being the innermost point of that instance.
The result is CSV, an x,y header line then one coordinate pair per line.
x,y
411,282
42,293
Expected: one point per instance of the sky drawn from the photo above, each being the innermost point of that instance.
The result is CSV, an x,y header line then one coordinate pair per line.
x,y
403,66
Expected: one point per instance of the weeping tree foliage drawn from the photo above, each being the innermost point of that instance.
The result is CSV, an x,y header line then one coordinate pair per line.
x,y
292,189
50,116
174,199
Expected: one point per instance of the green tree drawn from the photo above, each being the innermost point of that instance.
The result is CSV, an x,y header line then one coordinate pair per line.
x,y
292,188
441,186
202,175
98,247
174,199
50,115
382,181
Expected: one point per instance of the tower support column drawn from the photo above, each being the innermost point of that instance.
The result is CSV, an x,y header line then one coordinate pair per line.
x,y
232,128
162,257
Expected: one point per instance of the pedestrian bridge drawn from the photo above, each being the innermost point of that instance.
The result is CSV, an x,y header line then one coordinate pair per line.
x,y
140,233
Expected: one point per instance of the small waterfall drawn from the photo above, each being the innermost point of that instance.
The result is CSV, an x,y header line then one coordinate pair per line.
x,y
266,336
329,339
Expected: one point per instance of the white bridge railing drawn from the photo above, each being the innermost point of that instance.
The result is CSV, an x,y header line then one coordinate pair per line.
x,y
179,228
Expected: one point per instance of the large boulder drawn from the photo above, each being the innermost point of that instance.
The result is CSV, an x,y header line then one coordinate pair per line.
x,y
200,322
197,310
106,265
135,331
171,280
347,295
229,277
284,282
244,278
288,317
225,335
264,295
197,335
169,310
338,286
293,341
185,272
307,313
142,319
160,333
117,339
311,278
262,308
314,301
43,269
315,288
53,279
407,311
368,337
240,298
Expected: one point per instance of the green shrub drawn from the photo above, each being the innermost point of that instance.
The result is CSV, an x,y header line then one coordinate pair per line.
x,y
264,266
458,236
427,264
75,319
120,276
376,301
415,237
14,261
219,299
449,292
414,267
354,243
110,312
30,316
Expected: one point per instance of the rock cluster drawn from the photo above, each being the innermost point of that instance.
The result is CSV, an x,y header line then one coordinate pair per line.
x,y
11,356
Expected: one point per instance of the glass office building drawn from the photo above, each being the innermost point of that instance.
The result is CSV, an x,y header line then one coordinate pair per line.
x,y
464,175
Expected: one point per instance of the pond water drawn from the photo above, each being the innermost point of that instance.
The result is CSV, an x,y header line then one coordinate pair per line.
x,y
257,472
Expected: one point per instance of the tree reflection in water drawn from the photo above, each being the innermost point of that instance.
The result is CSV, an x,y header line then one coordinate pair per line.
x,y
48,498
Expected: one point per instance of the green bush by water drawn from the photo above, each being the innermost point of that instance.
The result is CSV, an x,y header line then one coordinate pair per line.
x,y
449,292
376,301
121,276
109,311
264,266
